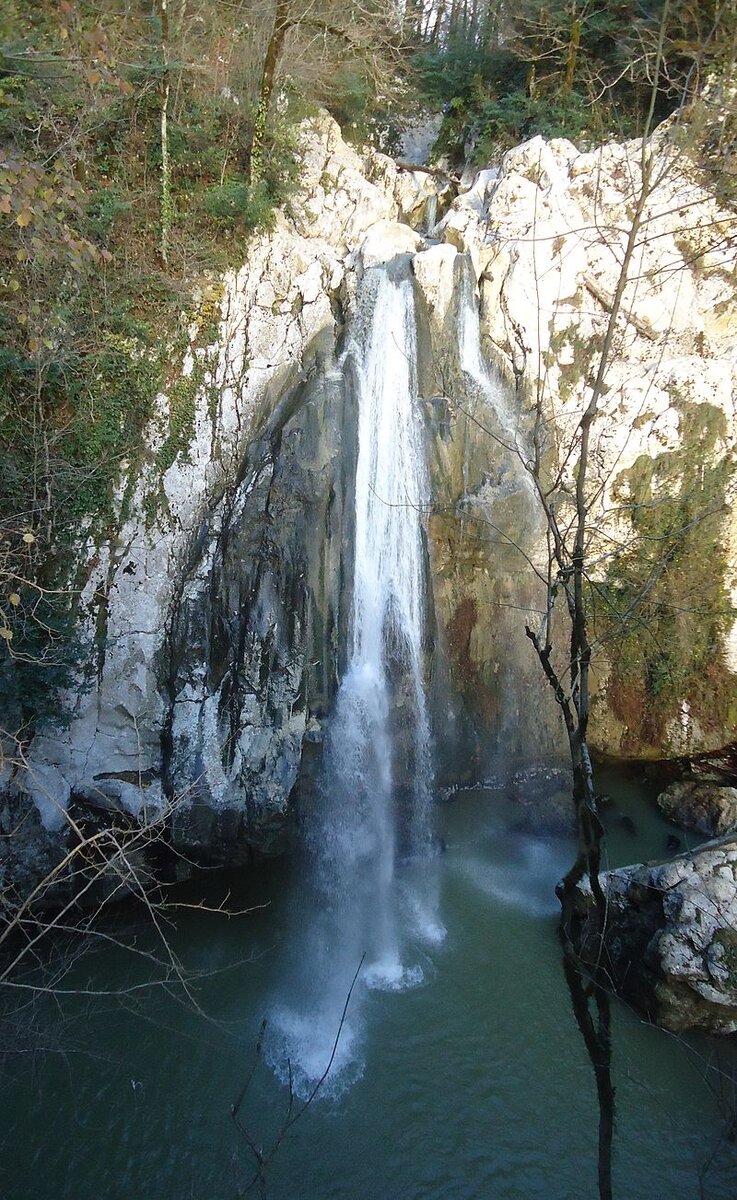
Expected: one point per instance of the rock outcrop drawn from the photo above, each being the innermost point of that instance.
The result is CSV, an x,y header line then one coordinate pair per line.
x,y
671,937
705,807
207,624
213,623
546,236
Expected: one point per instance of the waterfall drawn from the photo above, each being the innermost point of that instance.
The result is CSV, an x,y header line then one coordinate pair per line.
x,y
387,624
486,387
490,388
377,773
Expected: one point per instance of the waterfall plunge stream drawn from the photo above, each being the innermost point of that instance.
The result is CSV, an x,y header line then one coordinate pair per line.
x,y
376,784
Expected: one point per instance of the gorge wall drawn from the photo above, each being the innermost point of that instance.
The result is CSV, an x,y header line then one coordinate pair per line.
x,y
213,626
548,240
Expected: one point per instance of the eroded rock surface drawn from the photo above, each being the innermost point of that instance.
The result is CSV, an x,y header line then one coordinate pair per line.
x,y
671,937
706,807
547,236
210,626
200,618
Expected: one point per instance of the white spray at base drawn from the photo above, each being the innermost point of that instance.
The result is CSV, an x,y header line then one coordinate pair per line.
x,y
371,818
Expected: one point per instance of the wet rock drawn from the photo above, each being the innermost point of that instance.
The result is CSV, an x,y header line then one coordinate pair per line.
x,y
211,632
545,799
671,936
705,807
720,766
676,358
419,136
625,822
219,591
28,850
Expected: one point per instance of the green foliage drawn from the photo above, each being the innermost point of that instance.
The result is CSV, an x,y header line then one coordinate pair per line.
x,y
17,107
351,95
569,69
103,209
489,105
236,204
502,123
727,938
94,407
182,395
458,74
89,317
364,119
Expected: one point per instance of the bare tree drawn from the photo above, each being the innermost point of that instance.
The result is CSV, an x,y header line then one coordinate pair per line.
x,y
372,34
570,501
262,1156
97,864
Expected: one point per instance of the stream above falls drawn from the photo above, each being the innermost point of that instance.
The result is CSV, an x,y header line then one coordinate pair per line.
x,y
472,1084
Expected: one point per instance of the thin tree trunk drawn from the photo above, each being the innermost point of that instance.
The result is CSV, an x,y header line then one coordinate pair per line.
x,y
574,43
282,24
596,1036
491,26
438,26
166,204
455,18
474,23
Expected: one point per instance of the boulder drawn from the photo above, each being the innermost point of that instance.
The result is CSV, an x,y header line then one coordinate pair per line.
x,y
705,807
386,240
671,937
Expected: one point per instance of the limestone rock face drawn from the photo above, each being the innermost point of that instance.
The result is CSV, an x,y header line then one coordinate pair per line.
x,y
706,807
547,239
211,624
387,240
671,937
483,531
201,621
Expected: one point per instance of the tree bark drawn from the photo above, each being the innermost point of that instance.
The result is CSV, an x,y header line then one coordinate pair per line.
x,y
438,26
166,203
574,43
283,22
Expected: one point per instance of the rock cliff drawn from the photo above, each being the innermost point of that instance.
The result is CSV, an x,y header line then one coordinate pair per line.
x,y
547,237
212,624
202,619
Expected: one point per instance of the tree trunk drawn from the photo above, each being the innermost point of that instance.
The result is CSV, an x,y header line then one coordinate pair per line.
x,y
596,1036
574,43
166,204
282,24
438,26
491,26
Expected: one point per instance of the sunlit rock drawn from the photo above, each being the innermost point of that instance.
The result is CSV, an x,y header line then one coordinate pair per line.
x,y
671,937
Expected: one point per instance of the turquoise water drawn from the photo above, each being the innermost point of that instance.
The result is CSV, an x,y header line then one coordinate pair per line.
x,y
473,1084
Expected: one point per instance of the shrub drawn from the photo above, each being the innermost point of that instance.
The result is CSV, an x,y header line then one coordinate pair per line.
x,y
236,203
103,209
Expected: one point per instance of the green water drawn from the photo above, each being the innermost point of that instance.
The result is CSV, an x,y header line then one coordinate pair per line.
x,y
473,1085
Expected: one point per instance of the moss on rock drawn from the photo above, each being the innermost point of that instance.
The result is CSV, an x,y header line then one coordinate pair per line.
x,y
664,606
